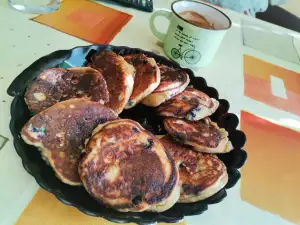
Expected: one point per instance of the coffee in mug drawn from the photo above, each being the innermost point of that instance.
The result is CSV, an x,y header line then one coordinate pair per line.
x,y
195,32
196,19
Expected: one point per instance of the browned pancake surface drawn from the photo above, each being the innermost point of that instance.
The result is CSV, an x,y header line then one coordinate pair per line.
x,y
57,84
147,75
119,76
180,105
171,78
126,167
197,171
199,132
60,132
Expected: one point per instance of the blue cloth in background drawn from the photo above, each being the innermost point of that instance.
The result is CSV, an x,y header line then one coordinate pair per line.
x,y
251,6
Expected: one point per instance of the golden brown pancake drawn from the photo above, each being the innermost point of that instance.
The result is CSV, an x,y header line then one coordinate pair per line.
x,y
172,82
128,169
57,84
203,135
119,76
201,175
191,104
147,77
60,132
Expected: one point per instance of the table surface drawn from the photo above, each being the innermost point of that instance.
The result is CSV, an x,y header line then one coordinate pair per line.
x,y
23,41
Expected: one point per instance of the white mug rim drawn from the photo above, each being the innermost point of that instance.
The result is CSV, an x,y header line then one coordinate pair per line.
x,y
220,29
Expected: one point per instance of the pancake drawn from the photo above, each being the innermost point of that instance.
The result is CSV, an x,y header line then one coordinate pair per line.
x,y
57,84
128,169
60,131
172,82
191,104
201,175
147,77
119,76
203,135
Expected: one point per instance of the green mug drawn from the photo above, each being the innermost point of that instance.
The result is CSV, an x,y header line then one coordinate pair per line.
x,y
186,43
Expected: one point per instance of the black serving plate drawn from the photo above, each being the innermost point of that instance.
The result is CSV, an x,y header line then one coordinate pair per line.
x,y
77,196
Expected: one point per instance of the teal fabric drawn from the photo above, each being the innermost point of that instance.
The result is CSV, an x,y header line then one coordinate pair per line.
x,y
251,6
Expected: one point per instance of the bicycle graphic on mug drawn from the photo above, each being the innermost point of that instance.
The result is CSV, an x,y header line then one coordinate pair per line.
x,y
191,56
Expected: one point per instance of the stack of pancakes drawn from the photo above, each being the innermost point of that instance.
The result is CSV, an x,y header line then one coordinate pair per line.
x,y
79,133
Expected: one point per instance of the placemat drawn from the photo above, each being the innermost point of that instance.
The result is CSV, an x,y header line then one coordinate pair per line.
x,y
45,209
86,20
272,84
270,178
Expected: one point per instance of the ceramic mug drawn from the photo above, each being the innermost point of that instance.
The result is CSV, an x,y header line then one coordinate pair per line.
x,y
186,43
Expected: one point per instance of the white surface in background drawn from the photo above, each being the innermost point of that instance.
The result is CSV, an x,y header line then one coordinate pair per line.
x,y
23,41
270,41
293,6
277,87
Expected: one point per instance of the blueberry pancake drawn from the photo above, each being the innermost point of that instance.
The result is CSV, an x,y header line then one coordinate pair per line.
x,y
119,76
190,104
57,84
60,131
201,175
147,77
128,169
203,136
172,82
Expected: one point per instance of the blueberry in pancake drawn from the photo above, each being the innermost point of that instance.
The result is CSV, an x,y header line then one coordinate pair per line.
x,y
128,169
190,104
201,175
119,76
172,82
57,84
147,77
203,135
60,131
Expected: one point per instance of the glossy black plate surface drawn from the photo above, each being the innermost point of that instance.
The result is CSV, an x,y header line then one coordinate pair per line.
x,y
77,196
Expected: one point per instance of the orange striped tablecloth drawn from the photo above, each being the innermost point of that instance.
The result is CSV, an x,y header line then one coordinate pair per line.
x,y
45,209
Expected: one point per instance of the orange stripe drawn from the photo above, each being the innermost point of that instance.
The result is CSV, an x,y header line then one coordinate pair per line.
x,y
263,70
45,209
260,90
270,178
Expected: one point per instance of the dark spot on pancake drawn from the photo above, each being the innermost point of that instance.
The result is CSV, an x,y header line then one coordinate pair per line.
x,y
135,130
180,165
181,75
149,144
137,200
198,109
184,98
179,137
129,103
41,130
75,81
191,189
193,114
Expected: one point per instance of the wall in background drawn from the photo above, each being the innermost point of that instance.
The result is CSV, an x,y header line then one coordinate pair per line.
x,y
293,6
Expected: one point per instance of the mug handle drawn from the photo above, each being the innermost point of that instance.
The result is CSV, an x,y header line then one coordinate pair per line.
x,y
160,12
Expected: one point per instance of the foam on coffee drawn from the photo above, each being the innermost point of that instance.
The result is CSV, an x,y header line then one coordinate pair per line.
x,y
197,19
